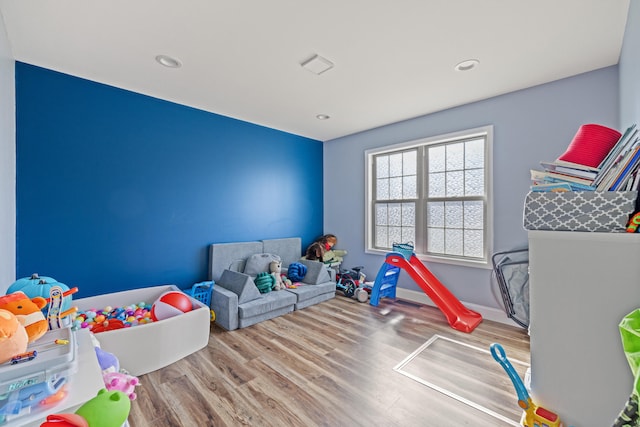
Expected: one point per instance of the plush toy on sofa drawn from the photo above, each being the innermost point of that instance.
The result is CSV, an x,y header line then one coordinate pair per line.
x,y
330,255
275,268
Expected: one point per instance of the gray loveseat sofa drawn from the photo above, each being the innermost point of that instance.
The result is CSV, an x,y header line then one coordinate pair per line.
x,y
237,301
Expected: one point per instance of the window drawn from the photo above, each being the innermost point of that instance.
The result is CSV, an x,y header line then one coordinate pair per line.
x,y
435,193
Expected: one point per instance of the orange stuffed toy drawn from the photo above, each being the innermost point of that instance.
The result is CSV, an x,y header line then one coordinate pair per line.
x,y
13,336
28,313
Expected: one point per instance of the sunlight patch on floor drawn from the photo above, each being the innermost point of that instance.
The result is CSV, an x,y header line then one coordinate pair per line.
x,y
466,373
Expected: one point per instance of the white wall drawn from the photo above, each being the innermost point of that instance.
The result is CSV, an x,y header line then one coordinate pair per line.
x,y
529,126
7,163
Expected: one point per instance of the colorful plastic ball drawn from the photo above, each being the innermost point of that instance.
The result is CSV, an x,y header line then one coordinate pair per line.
x,y
170,304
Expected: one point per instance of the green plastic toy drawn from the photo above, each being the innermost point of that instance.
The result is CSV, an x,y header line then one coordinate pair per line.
x,y
107,409
630,334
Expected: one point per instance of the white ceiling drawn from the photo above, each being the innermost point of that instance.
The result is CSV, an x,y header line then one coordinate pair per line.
x,y
394,59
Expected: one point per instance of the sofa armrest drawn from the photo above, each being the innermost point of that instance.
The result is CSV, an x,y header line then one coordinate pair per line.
x,y
316,272
224,303
240,284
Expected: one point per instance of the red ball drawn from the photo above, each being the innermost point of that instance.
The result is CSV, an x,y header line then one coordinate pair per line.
x,y
170,304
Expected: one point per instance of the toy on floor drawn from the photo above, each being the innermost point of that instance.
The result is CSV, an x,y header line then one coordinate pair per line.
x,y
533,416
107,409
350,281
13,336
459,317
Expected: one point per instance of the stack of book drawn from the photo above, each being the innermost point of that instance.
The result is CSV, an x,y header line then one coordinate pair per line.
x,y
616,170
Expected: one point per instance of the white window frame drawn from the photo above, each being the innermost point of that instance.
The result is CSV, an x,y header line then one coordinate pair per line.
x,y
484,131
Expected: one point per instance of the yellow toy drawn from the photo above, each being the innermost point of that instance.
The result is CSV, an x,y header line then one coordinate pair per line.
x,y
533,416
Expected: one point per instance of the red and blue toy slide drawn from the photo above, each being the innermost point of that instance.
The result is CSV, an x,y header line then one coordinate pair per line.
x,y
459,317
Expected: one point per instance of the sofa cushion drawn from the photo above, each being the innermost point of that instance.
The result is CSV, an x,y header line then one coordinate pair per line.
x,y
230,256
316,272
240,284
288,249
259,263
304,292
269,302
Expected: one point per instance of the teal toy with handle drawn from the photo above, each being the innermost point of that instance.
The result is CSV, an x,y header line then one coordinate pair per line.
x,y
533,416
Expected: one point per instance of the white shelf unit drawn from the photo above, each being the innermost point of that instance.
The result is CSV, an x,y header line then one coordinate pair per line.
x,y
581,286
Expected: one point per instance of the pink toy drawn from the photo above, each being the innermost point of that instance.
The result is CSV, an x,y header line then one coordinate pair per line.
x,y
170,304
118,381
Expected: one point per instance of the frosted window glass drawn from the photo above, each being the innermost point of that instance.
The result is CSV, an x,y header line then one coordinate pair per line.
x,y
473,243
395,165
435,240
395,188
435,214
409,187
395,214
408,235
434,195
381,214
453,214
436,185
408,214
474,182
395,235
382,189
409,162
474,154
455,184
453,241
474,215
436,159
455,156
382,166
381,237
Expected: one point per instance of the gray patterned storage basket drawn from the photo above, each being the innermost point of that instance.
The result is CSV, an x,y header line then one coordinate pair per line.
x,y
597,211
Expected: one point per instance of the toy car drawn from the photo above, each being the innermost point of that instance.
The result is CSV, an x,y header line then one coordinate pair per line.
x,y
350,281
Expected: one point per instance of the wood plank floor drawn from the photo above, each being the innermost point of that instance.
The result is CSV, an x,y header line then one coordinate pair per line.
x,y
326,365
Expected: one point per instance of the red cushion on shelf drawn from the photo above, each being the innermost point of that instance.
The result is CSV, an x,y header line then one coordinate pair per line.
x,y
590,145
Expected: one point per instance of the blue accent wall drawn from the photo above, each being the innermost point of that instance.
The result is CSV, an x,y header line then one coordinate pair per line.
x,y
117,190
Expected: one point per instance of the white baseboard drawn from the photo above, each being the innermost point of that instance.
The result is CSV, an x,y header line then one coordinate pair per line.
x,y
488,313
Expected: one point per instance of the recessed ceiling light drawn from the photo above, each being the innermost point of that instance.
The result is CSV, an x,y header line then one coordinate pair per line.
x,y
168,61
323,117
467,65
317,64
